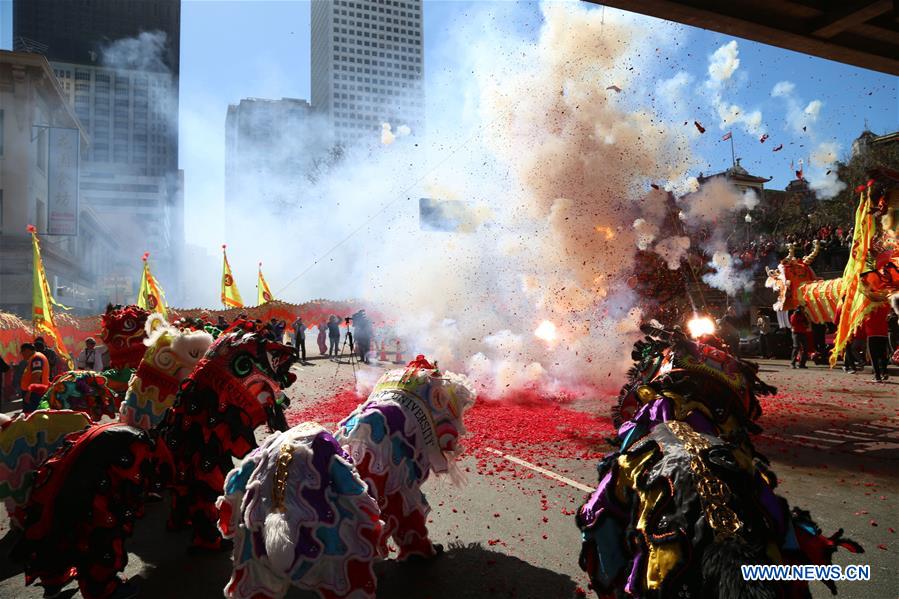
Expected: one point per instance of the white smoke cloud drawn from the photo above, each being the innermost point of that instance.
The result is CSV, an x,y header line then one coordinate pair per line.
x,y
724,62
144,52
727,276
715,200
520,127
823,177
800,119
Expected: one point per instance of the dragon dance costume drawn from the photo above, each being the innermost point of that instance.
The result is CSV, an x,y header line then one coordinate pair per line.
x,y
83,504
233,389
26,442
287,531
686,499
171,355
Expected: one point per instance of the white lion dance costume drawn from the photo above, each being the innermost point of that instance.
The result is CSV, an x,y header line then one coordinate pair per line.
x,y
171,355
315,511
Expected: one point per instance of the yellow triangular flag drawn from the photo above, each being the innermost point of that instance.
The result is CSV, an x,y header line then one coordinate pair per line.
x,y
42,302
263,293
150,296
855,305
230,294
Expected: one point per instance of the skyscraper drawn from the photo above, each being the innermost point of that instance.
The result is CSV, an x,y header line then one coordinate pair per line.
x,y
273,151
367,65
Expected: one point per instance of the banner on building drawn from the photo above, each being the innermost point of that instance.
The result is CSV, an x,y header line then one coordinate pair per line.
x,y
62,190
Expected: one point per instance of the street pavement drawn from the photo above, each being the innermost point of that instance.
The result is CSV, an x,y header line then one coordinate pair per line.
x,y
509,531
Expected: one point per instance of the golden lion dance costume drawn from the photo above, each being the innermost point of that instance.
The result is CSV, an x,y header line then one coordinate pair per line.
x,y
686,500
170,357
315,510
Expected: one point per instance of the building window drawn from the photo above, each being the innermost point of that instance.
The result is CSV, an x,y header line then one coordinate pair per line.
x,y
42,150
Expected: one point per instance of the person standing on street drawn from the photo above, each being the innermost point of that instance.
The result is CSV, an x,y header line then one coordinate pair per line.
x,y
875,326
333,335
764,325
89,358
299,335
321,339
800,326
35,378
52,357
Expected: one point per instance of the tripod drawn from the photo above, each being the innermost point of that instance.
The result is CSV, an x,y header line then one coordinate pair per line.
x,y
348,340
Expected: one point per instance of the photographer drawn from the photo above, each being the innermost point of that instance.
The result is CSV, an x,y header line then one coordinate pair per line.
x,y
363,331
333,335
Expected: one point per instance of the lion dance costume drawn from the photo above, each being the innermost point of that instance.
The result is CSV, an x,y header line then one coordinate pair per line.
x,y
26,442
233,389
171,355
315,511
83,504
83,391
686,499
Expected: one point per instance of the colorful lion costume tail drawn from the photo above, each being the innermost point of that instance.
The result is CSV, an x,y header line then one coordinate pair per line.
x,y
686,500
170,357
288,532
299,512
83,505
235,388
26,442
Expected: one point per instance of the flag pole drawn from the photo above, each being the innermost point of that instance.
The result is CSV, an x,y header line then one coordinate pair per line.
x,y
733,156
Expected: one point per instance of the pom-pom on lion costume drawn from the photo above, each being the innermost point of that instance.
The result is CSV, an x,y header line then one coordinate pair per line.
x,y
171,355
305,511
686,500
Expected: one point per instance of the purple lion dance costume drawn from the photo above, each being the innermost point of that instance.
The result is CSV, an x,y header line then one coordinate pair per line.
x,y
315,510
686,500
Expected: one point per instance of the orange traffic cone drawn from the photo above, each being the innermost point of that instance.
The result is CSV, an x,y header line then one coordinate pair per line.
x,y
382,356
399,354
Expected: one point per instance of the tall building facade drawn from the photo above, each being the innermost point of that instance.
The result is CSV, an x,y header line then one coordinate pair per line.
x,y
38,187
368,65
118,64
273,150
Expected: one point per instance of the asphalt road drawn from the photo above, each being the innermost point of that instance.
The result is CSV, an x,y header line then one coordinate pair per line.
x,y
833,439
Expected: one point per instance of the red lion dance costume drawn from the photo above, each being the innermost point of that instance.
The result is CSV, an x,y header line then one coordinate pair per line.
x,y
233,389
83,504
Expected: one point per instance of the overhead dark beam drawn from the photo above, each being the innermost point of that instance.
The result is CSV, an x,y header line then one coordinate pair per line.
x,y
741,19
851,16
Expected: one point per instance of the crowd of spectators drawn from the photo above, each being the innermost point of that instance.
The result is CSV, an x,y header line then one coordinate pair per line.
x,y
765,250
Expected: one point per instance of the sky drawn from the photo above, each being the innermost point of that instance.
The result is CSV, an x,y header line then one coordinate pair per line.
x,y
261,48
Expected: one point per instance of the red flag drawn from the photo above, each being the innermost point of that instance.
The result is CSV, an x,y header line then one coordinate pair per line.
x,y
763,138
778,148
699,126
727,136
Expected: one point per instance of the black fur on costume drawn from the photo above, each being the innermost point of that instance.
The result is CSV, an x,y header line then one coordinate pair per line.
x,y
83,505
686,500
